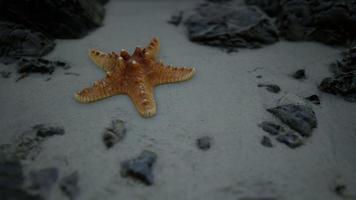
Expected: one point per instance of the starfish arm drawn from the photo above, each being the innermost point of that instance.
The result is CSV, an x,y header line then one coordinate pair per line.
x,y
143,99
100,90
152,49
107,61
168,74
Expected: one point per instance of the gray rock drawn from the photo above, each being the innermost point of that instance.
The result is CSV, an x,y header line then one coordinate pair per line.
x,y
299,74
58,19
298,117
17,41
230,26
140,168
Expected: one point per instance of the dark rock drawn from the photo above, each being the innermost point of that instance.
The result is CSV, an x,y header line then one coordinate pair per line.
x,y
17,41
270,87
176,19
11,182
299,74
115,133
218,1
47,131
272,128
140,168
290,139
230,26
39,65
58,19
42,180
204,143
271,7
5,74
69,185
266,141
298,117
330,22
314,99
258,76
343,82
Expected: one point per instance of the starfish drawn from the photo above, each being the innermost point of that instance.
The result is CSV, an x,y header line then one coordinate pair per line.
x,y
135,75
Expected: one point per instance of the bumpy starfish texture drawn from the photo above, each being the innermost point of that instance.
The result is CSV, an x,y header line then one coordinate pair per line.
x,y
134,75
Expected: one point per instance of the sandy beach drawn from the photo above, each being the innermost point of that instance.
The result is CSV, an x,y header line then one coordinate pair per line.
x,y
221,101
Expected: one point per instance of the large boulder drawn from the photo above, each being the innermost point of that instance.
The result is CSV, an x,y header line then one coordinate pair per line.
x,y
58,19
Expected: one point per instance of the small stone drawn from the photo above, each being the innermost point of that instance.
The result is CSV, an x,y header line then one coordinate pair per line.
x,y
266,141
140,168
204,143
290,139
270,87
69,185
271,127
259,76
314,99
299,74
115,133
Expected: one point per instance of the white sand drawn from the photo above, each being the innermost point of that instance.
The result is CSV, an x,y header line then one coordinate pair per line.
x,y
222,101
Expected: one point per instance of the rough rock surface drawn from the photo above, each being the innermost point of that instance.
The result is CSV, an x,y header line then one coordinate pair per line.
x,y
58,19
270,87
271,128
330,22
343,82
290,139
271,7
17,41
301,118
140,168
230,26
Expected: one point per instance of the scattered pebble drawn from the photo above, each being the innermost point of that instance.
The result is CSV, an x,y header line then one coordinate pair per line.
x,y
204,143
115,133
176,19
314,99
47,131
270,87
299,74
140,168
298,117
292,140
266,141
271,127
69,185
259,76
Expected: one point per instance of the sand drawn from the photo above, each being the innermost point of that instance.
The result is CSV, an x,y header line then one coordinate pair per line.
x,y
221,101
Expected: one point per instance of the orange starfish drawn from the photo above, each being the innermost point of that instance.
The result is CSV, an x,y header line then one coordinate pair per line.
x,y
134,75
